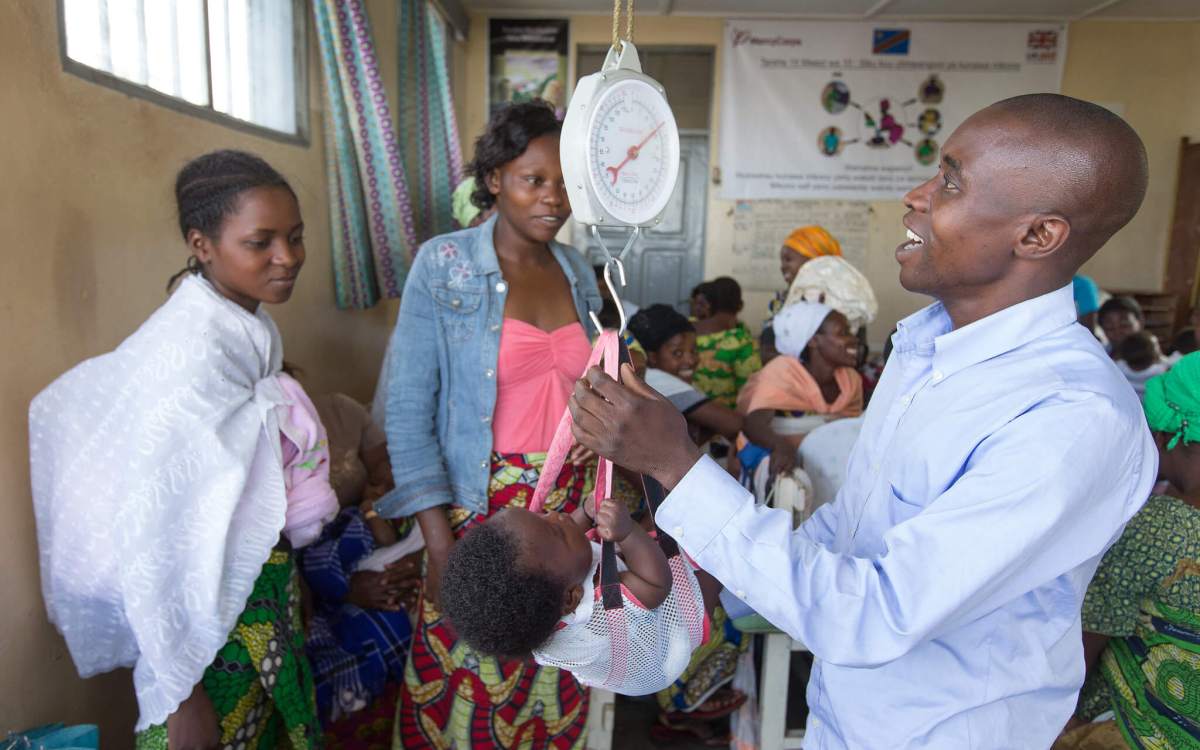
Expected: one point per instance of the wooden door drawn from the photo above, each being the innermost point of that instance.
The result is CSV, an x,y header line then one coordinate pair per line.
x,y
1180,278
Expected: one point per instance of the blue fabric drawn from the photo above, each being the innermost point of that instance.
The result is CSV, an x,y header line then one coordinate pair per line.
x,y
750,457
1086,294
354,652
441,379
941,590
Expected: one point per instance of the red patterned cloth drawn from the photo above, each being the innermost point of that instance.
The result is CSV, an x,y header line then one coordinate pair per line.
x,y
454,697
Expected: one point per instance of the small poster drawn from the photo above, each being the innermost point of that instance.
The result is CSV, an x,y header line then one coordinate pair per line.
x,y
528,60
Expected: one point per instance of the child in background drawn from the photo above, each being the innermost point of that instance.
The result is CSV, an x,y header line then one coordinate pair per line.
x,y
1120,317
669,340
728,354
1139,358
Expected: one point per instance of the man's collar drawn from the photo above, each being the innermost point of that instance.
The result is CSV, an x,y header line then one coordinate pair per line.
x,y
929,332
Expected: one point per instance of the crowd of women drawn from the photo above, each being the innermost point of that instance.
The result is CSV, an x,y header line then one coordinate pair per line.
x,y
269,563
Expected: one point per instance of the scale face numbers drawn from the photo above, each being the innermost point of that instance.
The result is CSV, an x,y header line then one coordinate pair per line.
x,y
632,151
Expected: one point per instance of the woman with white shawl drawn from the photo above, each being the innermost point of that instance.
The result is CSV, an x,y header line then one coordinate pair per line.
x,y
173,476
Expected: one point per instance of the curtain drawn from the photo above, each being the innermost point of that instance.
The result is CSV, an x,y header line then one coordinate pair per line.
x,y
428,130
371,216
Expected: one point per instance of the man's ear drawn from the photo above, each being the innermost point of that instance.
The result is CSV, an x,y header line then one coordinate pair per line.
x,y
1042,236
571,599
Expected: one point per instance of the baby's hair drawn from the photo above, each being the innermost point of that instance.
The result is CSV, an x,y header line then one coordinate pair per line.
x,y
496,603
207,190
508,134
1138,350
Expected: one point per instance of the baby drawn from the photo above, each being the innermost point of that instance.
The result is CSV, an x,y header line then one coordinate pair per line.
x,y
527,583
1139,358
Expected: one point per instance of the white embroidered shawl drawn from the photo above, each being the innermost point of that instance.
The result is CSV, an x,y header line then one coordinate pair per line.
x,y
159,492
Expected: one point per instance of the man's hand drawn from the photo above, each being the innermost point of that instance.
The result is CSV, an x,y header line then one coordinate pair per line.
x,y
783,458
632,425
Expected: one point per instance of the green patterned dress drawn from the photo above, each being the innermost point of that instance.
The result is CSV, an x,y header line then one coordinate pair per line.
x,y
1146,597
261,684
727,360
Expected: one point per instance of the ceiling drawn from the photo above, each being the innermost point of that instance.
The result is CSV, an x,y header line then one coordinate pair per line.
x,y
967,10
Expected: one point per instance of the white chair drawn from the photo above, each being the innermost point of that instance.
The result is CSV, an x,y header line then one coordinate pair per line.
x,y
792,494
602,714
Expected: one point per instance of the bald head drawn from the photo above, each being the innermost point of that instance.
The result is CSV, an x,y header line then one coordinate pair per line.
x,y
1092,165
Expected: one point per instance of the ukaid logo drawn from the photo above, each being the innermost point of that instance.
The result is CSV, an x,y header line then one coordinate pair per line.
x,y
1042,46
890,41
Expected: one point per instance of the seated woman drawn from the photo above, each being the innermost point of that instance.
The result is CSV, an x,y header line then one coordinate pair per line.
x,y
1141,616
728,353
669,340
359,632
813,376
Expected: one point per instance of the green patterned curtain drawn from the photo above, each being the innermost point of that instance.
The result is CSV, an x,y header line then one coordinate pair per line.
x,y
427,128
371,217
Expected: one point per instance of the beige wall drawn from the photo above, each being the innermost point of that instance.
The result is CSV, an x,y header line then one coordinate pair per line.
x,y
1151,69
89,241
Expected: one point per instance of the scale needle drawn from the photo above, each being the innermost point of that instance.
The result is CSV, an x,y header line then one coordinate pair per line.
x,y
633,153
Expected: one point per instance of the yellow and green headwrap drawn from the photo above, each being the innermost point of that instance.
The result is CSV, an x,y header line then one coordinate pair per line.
x,y
461,207
1172,401
813,242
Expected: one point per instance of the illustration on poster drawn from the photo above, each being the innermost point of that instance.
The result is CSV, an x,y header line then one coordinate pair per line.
x,y
881,122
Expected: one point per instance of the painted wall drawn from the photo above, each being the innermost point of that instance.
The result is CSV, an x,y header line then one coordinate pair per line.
x,y
1146,68
88,214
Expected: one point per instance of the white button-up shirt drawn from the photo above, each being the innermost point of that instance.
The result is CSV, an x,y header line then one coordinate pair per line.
x,y
940,592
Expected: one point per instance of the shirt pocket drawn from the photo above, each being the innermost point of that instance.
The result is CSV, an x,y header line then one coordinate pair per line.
x,y
458,311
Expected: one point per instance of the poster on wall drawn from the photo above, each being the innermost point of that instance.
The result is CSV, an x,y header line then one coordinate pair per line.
x,y
860,110
759,228
527,59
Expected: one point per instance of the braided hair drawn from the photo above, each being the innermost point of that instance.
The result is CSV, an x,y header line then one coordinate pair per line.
x,y
207,191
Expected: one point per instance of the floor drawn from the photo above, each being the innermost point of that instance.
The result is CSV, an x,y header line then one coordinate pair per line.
x,y
635,716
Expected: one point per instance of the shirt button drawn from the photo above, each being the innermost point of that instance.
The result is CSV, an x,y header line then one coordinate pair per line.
x,y
486,419
677,532
488,373
501,286
483,464
740,594
906,401
937,376
495,328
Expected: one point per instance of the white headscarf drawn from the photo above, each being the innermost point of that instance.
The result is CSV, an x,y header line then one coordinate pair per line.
x,y
796,324
832,280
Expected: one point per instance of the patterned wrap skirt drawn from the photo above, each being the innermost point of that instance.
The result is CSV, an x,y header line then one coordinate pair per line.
x,y
454,697
260,683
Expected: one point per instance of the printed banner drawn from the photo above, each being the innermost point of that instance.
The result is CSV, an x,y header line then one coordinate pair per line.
x,y
527,59
860,110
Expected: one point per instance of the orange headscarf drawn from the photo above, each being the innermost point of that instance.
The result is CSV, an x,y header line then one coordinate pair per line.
x,y
813,242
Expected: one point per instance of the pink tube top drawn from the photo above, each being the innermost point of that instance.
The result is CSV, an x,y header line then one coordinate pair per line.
x,y
534,378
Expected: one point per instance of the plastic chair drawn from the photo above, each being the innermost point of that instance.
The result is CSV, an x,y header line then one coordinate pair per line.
x,y
778,646
602,715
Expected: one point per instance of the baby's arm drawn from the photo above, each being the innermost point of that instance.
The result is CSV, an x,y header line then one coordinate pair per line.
x,y
649,576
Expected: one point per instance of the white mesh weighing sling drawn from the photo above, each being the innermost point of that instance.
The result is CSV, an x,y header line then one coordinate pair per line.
x,y
611,641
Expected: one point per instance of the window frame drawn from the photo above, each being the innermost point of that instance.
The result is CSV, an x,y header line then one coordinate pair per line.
x,y
207,112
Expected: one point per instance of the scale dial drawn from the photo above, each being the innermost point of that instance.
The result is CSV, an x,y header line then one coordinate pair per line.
x,y
632,151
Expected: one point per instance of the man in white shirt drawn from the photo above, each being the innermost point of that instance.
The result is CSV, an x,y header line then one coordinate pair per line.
x,y
1001,455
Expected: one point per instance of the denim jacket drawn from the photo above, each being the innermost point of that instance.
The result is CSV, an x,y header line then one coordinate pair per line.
x,y
441,381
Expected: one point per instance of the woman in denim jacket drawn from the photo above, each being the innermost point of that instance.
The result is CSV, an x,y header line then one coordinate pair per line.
x,y
492,333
